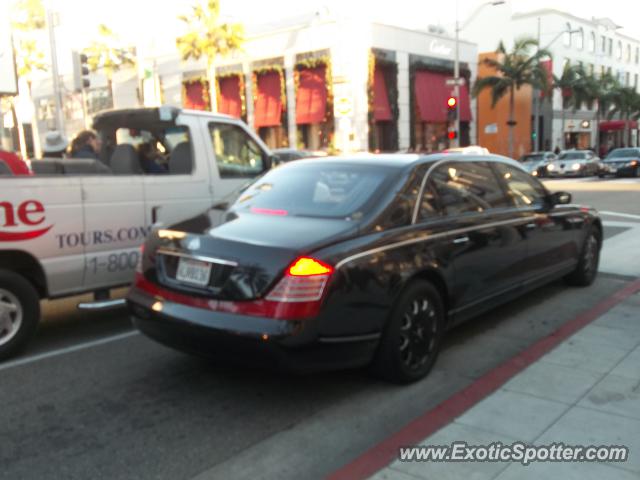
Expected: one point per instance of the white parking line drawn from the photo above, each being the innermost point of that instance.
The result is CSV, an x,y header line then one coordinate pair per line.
x,y
62,351
620,214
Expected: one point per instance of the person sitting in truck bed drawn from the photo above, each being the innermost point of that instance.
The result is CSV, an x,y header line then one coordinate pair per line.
x,y
86,144
55,145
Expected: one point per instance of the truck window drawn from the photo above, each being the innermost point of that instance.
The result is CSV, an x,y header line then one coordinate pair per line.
x,y
237,154
159,151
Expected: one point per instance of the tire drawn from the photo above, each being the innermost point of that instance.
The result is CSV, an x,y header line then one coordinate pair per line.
x,y
412,336
587,268
19,312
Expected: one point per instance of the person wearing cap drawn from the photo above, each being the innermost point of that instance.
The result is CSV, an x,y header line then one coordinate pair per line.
x,y
55,145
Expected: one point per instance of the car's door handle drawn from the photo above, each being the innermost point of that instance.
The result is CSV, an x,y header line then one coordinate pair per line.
x,y
459,240
530,226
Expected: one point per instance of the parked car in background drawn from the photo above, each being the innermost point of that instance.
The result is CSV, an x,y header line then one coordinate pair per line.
x,y
284,155
575,163
344,262
536,162
622,162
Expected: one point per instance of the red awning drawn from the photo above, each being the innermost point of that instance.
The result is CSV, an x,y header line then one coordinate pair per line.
x,y
311,98
195,95
230,98
431,94
268,104
612,125
381,107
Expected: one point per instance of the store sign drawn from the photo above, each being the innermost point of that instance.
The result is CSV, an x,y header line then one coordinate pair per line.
x,y
8,79
439,48
343,107
491,128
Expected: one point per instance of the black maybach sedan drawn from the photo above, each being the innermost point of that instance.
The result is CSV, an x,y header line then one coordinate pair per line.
x,y
344,262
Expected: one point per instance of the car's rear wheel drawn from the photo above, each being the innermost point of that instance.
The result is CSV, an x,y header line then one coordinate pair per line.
x,y
587,268
19,312
412,337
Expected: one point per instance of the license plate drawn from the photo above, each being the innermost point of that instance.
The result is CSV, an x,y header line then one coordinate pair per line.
x,y
193,272
613,169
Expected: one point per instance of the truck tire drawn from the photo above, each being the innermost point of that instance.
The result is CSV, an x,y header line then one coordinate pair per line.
x,y
19,312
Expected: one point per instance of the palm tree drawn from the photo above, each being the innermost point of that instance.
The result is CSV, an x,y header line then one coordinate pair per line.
x,y
592,89
569,85
107,55
514,69
28,22
208,37
625,102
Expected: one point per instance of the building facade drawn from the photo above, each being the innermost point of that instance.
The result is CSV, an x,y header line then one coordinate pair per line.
x,y
334,83
316,82
596,44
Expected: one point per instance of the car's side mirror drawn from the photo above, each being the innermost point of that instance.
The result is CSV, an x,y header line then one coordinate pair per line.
x,y
270,161
561,198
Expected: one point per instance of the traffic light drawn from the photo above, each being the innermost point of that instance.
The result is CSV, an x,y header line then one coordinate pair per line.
x,y
80,71
452,134
452,108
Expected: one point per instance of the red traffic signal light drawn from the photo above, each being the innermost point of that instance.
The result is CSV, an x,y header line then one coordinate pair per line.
x,y
452,134
452,102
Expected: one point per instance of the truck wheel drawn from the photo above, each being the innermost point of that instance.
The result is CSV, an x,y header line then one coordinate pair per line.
x,y
412,337
19,312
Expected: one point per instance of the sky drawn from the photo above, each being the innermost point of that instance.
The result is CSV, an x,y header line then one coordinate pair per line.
x,y
153,23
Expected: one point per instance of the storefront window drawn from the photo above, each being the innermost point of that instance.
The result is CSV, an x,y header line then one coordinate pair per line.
x,y
314,117
580,39
566,38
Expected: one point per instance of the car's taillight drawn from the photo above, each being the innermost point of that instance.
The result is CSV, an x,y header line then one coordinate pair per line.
x,y
304,281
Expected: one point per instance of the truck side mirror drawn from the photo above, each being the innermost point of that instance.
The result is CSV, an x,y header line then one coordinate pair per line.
x,y
561,198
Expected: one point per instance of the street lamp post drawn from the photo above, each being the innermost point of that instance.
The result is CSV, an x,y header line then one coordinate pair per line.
x,y
536,94
51,24
456,61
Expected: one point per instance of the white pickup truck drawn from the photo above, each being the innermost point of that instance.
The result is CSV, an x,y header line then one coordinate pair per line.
x,y
76,226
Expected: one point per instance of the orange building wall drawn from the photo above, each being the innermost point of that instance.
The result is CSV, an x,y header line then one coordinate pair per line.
x,y
499,142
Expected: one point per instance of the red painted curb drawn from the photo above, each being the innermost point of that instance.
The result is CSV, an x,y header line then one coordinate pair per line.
x,y
385,452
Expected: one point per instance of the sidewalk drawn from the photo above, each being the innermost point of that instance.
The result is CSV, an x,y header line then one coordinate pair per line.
x,y
586,391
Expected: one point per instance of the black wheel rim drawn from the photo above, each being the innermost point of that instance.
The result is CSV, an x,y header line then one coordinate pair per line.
x,y
591,255
418,333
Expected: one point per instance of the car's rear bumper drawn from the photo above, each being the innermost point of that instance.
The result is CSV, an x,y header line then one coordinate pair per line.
x,y
246,340
622,171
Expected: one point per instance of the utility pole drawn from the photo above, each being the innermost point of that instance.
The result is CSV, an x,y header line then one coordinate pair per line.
x,y
57,91
456,76
536,109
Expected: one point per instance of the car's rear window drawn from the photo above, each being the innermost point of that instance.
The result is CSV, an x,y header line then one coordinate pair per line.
x,y
573,156
532,158
624,152
315,190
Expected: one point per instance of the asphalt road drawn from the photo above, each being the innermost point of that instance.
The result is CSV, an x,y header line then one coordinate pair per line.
x,y
125,407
